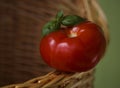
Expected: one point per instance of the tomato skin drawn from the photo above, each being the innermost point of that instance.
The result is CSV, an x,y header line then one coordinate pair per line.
x,y
74,49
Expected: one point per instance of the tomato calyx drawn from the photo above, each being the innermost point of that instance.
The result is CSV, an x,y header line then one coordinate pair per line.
x,y
60,19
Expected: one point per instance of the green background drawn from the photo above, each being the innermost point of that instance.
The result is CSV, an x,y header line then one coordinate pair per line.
x,y
108,70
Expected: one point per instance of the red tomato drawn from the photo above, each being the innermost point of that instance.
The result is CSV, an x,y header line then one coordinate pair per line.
x,y
74,49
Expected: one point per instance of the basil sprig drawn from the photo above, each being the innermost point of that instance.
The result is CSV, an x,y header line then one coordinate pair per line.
x,y
60,19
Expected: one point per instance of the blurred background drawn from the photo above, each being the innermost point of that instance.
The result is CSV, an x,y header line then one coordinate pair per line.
x,y
108,70
19,42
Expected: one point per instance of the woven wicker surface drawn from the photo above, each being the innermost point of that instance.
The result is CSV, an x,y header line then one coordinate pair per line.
x,y
20,26
59,80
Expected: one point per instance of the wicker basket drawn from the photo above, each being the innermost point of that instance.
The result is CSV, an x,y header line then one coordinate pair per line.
x,y
20,26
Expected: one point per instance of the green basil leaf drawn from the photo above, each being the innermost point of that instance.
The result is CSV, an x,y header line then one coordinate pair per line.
x,y
50,27
59,15
71,20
